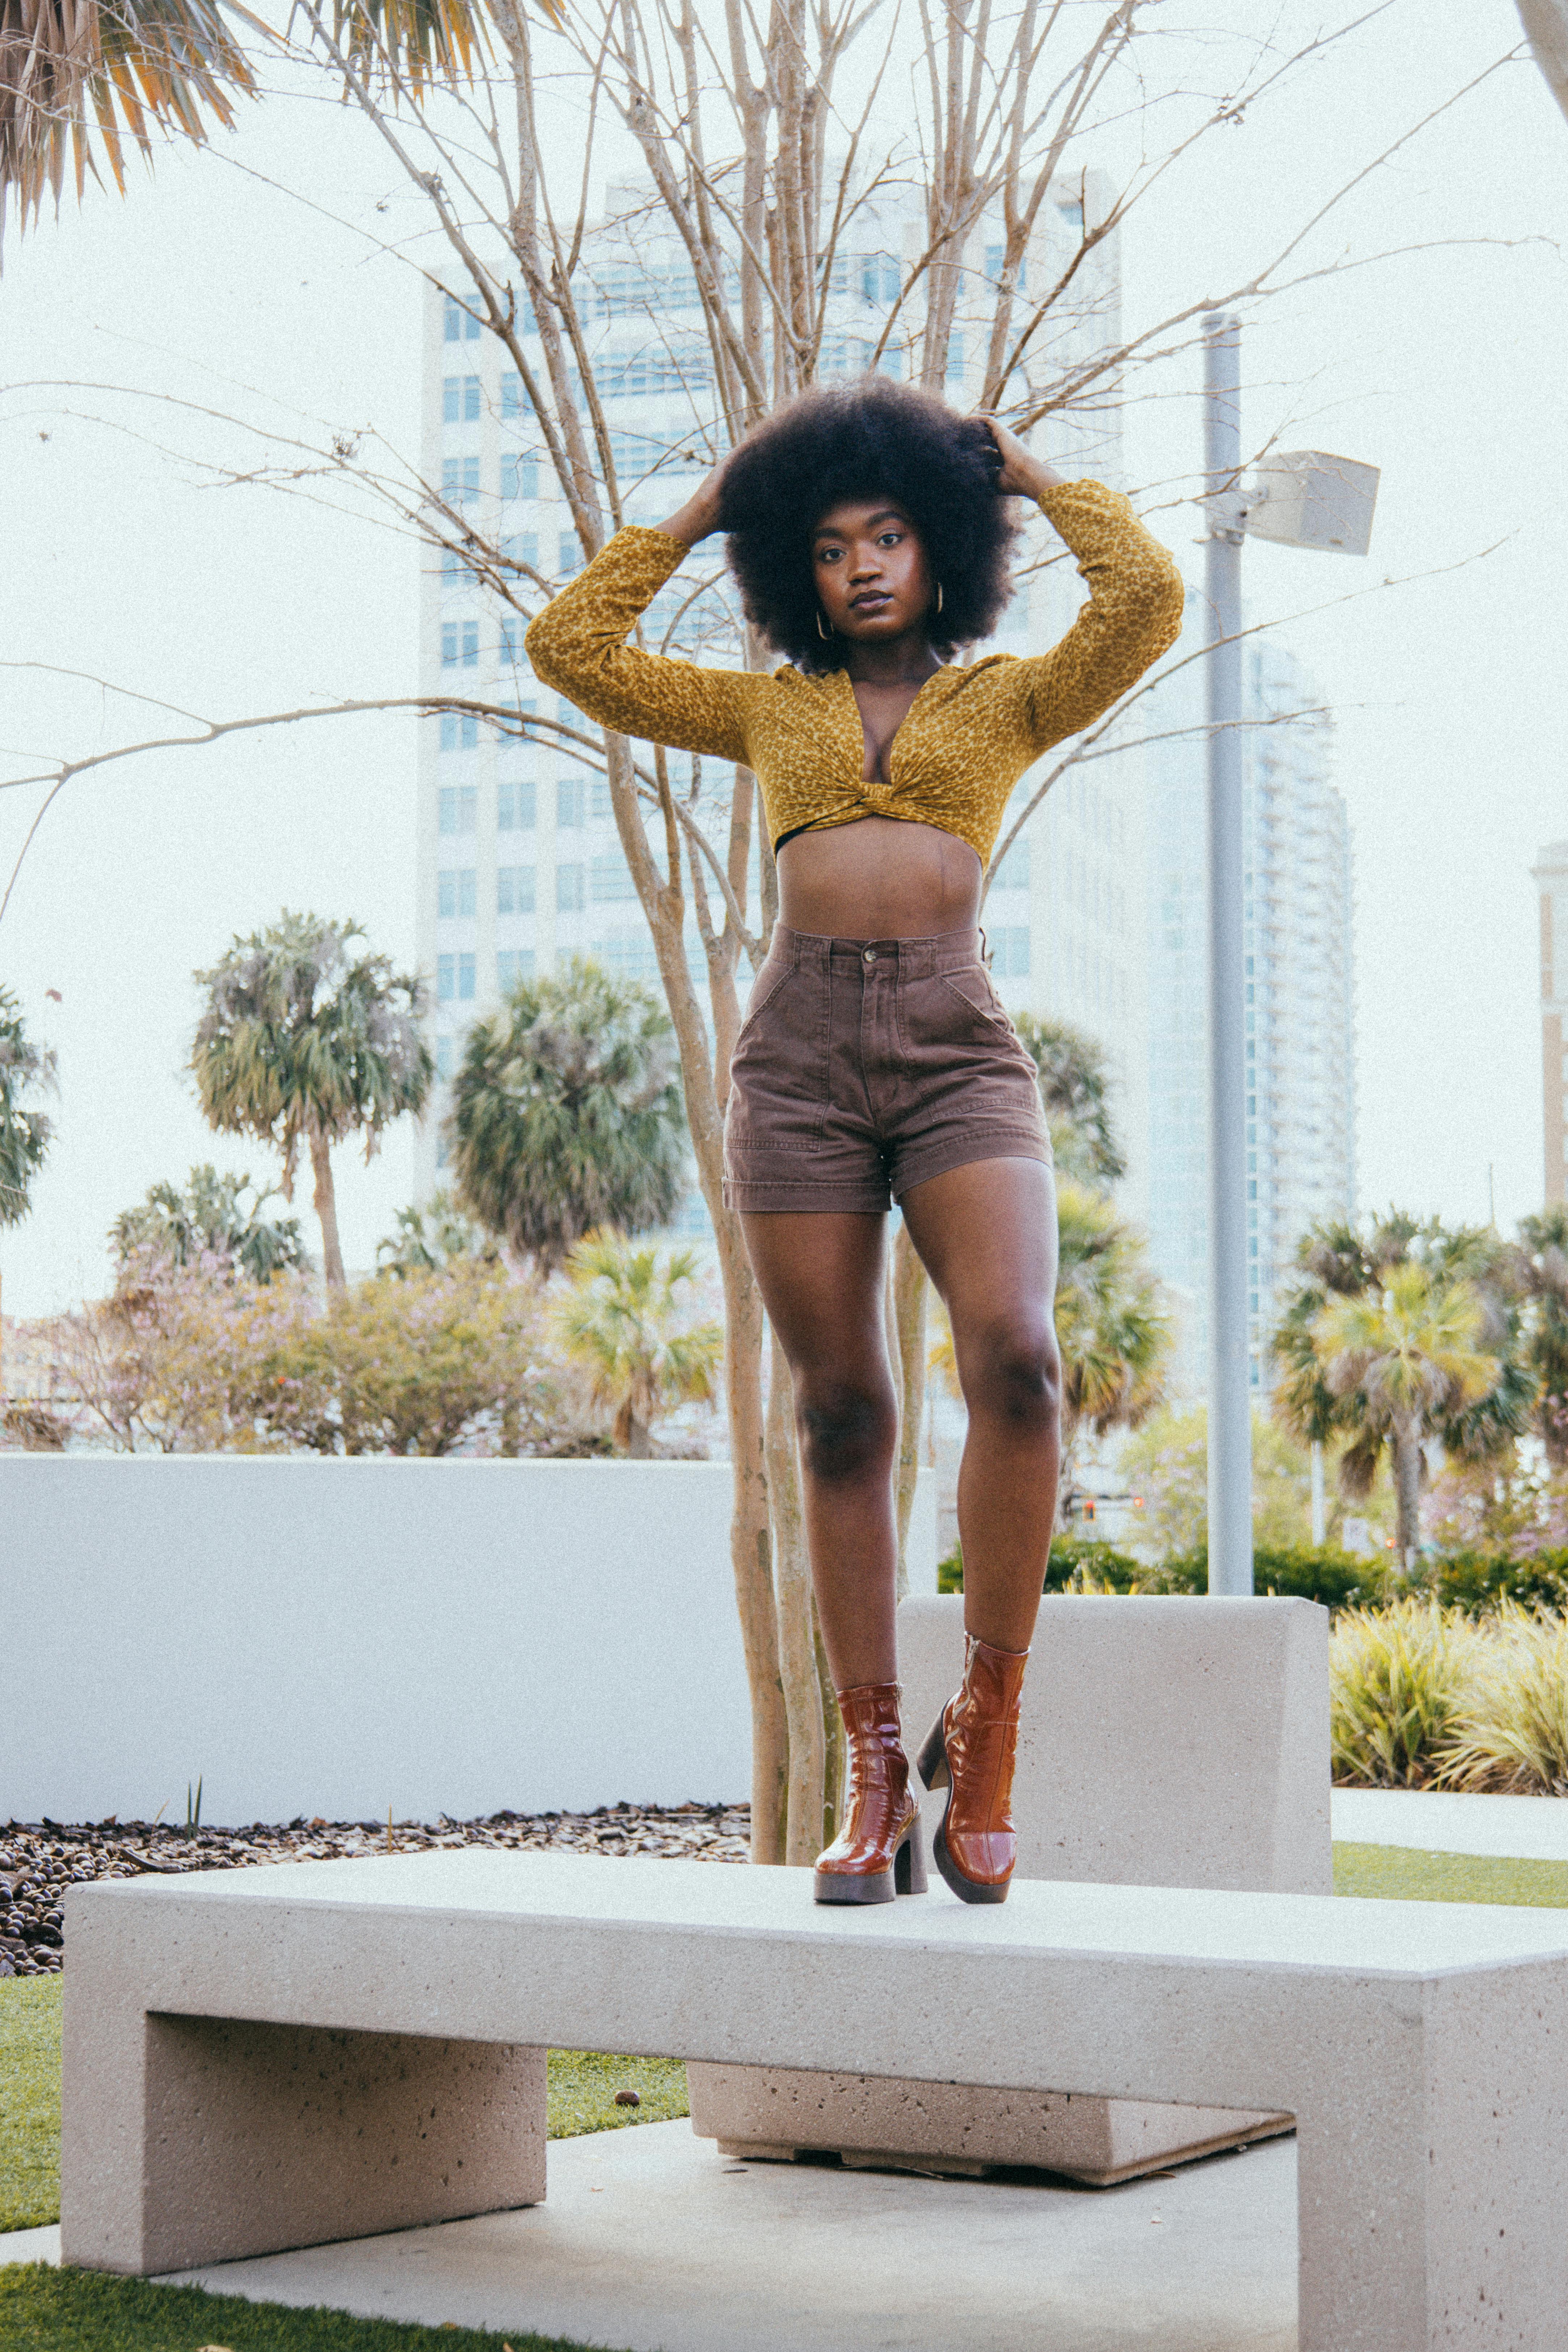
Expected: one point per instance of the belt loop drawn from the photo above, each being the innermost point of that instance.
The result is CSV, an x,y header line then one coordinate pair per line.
x,y
984,949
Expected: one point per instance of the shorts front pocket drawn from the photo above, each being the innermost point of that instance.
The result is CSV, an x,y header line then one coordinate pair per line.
x,y
778,1072
946,1013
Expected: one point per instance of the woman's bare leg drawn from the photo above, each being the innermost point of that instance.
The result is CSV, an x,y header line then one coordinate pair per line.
x,y
987,1234
822,1278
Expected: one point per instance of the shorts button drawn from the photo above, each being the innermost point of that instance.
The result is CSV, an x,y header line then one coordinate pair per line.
x,y
871,955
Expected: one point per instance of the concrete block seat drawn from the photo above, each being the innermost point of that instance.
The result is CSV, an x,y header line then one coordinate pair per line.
x,y
266,2058
1162,1742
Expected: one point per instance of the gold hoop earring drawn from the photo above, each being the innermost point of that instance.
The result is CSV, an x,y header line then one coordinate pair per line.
x,y
939,595
825,634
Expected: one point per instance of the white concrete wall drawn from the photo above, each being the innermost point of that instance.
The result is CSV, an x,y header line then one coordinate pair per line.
x,y
334,1637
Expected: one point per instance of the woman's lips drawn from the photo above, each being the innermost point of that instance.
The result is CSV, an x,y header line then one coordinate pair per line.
x,y
869,603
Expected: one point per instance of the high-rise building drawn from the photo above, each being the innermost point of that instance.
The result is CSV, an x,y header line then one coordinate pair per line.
x,y
520,863
1300,1005
1550,873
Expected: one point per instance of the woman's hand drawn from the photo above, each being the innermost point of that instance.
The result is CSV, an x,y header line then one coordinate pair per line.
x,y
1021,475
699,515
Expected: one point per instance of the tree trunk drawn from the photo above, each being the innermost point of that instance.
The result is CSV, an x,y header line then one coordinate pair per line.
x,y
908,1293
751,1541
327,1210
797,1633
1408,1494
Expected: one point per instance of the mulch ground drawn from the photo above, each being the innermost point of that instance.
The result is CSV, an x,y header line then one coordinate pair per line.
x,y
38,1859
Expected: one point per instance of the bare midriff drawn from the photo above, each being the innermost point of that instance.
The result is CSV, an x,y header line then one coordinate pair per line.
x,y
879,879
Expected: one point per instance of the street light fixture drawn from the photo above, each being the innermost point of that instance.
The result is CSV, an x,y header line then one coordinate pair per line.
x,y
1301,498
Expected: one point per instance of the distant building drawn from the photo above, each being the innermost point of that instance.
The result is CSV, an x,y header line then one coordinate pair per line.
x,y
1301,998
519,860
1550,876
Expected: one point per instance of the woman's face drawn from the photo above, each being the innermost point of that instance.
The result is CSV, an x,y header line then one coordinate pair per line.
x,y
872,578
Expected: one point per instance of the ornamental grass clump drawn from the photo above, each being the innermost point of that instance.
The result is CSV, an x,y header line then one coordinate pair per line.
x,y
1401,1680
1512,1733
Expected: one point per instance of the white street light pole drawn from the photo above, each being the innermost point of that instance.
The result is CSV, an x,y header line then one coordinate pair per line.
x,y
1230,1401
1303,499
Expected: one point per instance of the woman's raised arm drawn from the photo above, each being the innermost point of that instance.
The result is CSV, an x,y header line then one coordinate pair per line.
x,y
579,643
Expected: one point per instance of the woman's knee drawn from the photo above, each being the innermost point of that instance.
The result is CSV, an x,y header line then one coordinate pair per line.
x,y
847,1427
1012,1372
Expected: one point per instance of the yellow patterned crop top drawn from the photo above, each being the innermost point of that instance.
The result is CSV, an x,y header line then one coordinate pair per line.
x,y
969,734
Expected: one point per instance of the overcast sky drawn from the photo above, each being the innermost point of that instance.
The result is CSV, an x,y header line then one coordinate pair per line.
x,y
213,284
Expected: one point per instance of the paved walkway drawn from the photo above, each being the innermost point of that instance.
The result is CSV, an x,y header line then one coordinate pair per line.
x,y
652,2241
1528,1829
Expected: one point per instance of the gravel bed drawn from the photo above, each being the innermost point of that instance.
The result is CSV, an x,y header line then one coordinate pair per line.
x,y
37,1858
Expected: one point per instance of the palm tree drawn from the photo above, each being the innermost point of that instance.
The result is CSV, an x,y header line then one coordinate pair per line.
x,y
1341,1264
206,1222
622,1321
304,1041
567,1114
430,1239
26,1132
1075,1087
1404,1363
1543,1274
1113,1331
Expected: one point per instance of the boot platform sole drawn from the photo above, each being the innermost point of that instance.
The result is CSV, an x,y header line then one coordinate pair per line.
x,y
907,1876
934,1770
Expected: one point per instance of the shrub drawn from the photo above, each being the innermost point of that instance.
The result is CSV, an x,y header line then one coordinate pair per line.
x,y
1513,1733
1477,1582
1401,1682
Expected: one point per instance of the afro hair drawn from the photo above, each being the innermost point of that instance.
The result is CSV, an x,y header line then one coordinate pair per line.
x,y
873,439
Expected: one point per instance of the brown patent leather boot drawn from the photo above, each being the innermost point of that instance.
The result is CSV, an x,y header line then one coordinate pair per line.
x,y
880,1851
970,1752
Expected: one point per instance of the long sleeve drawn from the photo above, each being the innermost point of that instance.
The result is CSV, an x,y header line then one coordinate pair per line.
x,y
1133,612
578,645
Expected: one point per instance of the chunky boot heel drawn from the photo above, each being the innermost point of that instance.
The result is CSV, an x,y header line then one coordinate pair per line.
x,y
970,1752
931,1761
878,1852
909,1862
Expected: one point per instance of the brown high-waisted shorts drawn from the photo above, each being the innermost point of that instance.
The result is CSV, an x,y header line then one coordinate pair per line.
x,y
865,1066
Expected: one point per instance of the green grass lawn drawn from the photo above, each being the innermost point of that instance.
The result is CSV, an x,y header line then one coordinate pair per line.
x,y
48,2310
1407,1875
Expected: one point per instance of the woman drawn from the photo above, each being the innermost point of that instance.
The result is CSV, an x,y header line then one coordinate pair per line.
x,y
870,529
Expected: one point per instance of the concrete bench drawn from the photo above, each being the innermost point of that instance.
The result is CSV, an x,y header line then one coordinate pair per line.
x,y
273,2057
1164,1742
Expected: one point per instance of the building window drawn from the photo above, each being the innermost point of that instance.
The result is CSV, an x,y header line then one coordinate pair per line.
x,y
600,806
1010,950
515,806
630,957
520,474
515,890
569,889
445,1058
460,479
879,278
513,964
459,808
571,799
610,881
455,892
454,978
1013,874
459,730
461,327
512,393
460,645
569,553
521,548
460,399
